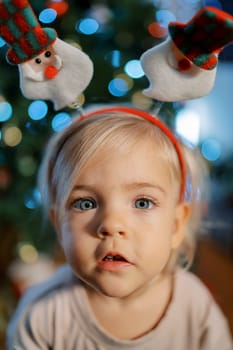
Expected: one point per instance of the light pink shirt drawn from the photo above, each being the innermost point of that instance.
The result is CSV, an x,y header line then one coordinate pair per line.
x,y
59,317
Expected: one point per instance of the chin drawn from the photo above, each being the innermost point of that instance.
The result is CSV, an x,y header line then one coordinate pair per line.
x,y
119,292
112,287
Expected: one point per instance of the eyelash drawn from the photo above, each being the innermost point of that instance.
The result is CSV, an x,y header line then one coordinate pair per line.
x,y
80,201
149,201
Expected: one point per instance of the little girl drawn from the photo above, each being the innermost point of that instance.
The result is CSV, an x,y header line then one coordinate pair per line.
x,y
124,196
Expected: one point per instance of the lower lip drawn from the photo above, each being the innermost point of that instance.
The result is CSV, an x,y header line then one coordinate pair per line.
x,y
114,266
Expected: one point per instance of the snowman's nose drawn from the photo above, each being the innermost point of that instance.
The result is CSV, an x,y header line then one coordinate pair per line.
x,y
50,72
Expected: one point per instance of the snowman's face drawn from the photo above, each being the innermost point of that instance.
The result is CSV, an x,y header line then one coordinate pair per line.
x,y
167,82
44,66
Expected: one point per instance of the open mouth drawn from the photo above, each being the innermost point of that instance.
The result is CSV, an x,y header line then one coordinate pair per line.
x,y
114,258
114,262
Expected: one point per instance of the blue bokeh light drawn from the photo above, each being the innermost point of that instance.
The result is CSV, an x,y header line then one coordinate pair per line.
x,y
164,17
5,111
116,58
61,121
2,42
134,69
48,16
32,199
211,149
87,26
37,110
118,87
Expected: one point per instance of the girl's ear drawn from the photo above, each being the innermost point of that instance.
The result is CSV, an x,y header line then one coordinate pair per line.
x,y
181,218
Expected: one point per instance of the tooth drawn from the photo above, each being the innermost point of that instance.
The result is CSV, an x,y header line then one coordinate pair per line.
x,y
108,257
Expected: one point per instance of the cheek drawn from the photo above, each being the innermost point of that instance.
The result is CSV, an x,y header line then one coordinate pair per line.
x,y
76,244
35,66
155,253
157,235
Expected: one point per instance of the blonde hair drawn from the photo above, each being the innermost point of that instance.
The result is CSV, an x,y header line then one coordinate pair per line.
x,y
69,152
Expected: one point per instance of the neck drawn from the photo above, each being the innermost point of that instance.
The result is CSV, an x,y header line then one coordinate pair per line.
x,y
136,314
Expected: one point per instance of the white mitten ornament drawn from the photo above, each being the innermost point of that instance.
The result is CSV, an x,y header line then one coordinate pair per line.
x,y
49,68
184,66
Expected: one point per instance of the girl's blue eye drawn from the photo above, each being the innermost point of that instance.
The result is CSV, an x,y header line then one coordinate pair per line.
x,y
143,203
84,204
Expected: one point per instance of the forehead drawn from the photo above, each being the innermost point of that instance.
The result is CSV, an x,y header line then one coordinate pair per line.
x,y
138,163
133,140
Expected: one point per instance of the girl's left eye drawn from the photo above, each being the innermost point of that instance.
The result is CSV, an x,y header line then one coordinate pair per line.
x,y
84,204
143,203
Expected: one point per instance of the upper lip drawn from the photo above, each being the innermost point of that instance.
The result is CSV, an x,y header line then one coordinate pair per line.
x,y
112,253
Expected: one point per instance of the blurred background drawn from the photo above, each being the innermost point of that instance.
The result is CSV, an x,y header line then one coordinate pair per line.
x,y
114,33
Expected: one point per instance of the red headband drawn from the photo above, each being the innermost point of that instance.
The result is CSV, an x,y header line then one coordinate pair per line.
x,y
159,124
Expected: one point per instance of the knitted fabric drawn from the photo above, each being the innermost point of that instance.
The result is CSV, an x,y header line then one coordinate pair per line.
x,y
22,32
201,39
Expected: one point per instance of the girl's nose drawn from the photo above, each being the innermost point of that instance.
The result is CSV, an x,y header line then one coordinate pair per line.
x,y
111,224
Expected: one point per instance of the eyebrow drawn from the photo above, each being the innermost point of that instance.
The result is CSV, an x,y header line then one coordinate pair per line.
x,y
139,185
130,186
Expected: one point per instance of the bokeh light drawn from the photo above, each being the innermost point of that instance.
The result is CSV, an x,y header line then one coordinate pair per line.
x,y
187,125
164,17
61,7
37,110
48,15
101,13
28,253
134,69
118,87
87,26
5,177
2,42
12,136
127,79
141,101
32,199
156,30
211,149
27,165
114,58
61,121
5,111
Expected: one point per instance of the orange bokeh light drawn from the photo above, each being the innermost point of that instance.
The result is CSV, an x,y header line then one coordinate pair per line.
x,y
61,7
156,30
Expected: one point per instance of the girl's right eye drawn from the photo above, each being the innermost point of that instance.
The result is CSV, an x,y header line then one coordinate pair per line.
x,y
84,204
